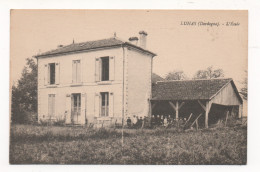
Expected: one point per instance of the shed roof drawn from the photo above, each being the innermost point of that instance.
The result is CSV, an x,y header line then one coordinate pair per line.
x,y
156,78
91,45
204,89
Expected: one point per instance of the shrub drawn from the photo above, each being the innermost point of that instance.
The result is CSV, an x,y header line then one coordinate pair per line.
x,y
60,121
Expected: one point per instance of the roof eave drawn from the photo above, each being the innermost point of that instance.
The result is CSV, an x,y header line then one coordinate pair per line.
x,y
235,89
177,99
214,95
78,51
139,48
94,49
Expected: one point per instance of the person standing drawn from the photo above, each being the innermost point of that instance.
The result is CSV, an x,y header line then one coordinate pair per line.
x,y
153,121
134,121
165,122
137,122
161,121
140,122
158,120
129,123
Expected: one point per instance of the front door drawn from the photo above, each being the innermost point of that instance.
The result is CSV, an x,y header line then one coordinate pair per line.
x,y
76,108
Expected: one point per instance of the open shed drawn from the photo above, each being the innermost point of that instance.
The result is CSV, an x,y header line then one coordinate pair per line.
x,y
210,97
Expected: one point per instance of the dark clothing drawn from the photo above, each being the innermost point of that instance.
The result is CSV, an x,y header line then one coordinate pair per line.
x,y
129,122
153,122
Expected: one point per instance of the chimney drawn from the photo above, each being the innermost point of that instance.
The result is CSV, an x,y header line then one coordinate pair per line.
x,y
59,46
133,40
142,41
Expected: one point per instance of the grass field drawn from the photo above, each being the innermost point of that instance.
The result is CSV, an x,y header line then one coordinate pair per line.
x,y
78,145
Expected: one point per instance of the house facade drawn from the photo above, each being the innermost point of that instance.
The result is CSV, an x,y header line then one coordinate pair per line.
x,y
97,82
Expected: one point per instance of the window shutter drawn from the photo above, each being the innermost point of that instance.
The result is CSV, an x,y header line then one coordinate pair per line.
x,y
68,109
46,74
97,104
97,69
112,68
83,108
74,63
78,71
111,104
53,105
57,74
49,105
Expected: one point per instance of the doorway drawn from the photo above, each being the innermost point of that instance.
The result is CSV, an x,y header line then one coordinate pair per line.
x,y
76,108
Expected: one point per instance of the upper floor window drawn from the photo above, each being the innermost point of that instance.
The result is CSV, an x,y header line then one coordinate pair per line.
x,y
76,71
104,68
51,73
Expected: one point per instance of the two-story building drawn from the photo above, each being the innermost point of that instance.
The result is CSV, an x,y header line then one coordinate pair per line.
x,y
96,82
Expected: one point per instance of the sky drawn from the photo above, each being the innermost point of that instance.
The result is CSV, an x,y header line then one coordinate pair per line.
x,y
178,47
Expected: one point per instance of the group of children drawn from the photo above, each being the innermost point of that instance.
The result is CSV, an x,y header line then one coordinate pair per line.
x,y
161,120
156,120
165,120
135,123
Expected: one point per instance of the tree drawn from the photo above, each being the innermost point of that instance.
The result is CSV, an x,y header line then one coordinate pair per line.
x,y
243,90
209,73
176,75
24,95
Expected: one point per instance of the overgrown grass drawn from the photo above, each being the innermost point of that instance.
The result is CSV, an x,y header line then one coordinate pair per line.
x,y
79,145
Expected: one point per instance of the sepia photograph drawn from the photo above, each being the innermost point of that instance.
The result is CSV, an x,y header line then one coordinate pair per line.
x,y
128,87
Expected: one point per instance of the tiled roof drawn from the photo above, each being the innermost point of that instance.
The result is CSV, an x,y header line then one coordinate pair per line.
x,y
77,47
156,78
189,89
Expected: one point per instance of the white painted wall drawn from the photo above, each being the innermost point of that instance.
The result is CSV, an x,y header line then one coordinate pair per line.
x,y
138,83
226,96
88,86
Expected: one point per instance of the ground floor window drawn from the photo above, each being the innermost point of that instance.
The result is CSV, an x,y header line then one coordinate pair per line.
x,y
51,105
104,104
75,107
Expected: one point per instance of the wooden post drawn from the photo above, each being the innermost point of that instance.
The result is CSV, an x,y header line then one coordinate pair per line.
x,y
240,111
176,107
196,119
173,106
197,125
232,112
207,115
226,118
150,113
206,108
187,120
177,111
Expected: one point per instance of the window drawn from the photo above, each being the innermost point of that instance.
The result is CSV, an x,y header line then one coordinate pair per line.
x,y
75,107
52,73
76,71
104,103
104,68
51,105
